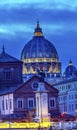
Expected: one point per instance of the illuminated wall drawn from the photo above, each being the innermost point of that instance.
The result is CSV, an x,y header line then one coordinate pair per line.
x,y
50,65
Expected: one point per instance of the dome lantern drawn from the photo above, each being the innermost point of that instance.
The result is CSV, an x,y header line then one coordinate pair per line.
x,y
70,63
38,30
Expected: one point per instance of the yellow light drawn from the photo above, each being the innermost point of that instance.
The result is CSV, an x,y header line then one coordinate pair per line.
x,y
4,125
38,34
32,60
75,110
25,125
45,124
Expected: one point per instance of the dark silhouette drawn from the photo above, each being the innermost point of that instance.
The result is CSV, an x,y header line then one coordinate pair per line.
x,y
41,74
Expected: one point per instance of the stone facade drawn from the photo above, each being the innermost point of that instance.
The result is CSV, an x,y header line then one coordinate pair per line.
x,y
67,96
24,100
10,70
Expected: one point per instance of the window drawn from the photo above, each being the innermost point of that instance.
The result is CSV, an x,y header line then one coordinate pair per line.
x,y
6,104
69,85
7,75
69,97
75,96
70,107
30,103
3,105
72,96
52,102
75,106
62,87
64,98
10,103
20,103
61,98
65,107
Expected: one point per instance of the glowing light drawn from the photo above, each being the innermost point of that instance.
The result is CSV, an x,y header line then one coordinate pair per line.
x,y
28,60
38,34
25,125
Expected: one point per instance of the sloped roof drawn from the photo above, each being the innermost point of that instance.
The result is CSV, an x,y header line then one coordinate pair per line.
x,y
4,57
10,89
14,88
32,78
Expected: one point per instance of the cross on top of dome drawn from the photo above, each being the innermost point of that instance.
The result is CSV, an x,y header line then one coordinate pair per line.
x,y
38,26
38,30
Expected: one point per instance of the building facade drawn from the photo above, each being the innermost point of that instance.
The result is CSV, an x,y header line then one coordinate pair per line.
x,y
22,98
10,70
67,96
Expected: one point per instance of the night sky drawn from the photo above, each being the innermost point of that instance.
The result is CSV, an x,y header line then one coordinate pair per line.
x,y
58,20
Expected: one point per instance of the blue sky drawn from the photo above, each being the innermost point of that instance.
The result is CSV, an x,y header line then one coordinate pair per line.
x,y
58,19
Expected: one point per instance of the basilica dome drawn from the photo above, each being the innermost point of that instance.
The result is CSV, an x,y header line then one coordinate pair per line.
x,y
70,70
40,52
39,47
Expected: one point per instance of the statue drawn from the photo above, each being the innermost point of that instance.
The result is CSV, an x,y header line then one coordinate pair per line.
x,y
41,74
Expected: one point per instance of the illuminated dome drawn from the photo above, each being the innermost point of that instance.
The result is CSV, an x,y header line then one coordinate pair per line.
x,y
39,47
70,70
39,52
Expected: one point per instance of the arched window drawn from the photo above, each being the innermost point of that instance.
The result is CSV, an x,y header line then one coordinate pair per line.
x,y
6,104
30,103
19,103
52,102
6,75
3,105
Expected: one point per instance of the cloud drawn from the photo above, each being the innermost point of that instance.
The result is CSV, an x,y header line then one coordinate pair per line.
x,y
41,4
29,15
48,13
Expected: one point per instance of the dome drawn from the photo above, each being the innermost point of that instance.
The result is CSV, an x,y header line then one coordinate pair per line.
x,y
39,47
70,70
40,53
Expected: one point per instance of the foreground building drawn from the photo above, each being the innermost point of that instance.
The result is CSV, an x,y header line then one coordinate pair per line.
x,y
21,99
16,97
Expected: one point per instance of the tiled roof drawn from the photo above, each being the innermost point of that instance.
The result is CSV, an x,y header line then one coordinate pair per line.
x,y
4,57
10,89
